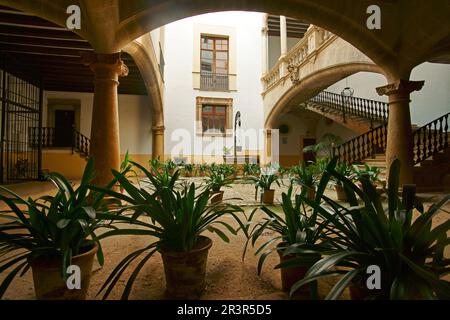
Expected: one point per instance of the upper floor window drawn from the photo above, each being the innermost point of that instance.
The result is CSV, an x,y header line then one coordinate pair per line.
x,y
214,55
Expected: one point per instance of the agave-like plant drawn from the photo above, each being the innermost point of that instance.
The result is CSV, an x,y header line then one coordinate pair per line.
x,y
297,227
60,226
409,252
178,218
266,179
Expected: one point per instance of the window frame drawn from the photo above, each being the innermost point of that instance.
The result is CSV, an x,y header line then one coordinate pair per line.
x,y
214,50
217,102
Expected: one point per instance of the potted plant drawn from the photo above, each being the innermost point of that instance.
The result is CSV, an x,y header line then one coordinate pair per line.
x,y
170,166
408,252
305,176
215,181
264,182
203,169
51,233
344,170
297,229
179,219
188,169
155,164
372,173
251,169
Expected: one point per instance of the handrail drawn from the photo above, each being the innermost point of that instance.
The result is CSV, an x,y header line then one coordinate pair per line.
x,y
431,138
428,140
80,143
375,111
362,146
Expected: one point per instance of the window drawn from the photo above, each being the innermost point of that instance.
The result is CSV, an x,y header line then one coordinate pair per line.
x,y
214,55
214,116
214,119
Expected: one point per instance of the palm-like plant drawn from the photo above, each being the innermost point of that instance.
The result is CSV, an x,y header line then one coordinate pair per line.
x,y
409,252
251,169
60,226
265,180
179,217
326,144
217,178
296,228
155,164
373,173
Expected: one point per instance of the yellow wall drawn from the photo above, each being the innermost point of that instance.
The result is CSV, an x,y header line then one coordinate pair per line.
x,y
72,165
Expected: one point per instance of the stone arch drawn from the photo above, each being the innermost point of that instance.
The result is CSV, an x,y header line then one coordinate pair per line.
x,y
315,83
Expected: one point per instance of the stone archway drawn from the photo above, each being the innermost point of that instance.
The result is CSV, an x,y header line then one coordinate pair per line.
x,y
315,83
146,62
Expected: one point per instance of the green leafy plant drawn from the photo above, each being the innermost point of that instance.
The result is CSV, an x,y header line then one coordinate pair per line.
x,y
179,217
59,226
155,164
373,173
409,252
189,168
203,168
326,145
251,169
305,175
169,165
217,179
344,170
265,180
297,227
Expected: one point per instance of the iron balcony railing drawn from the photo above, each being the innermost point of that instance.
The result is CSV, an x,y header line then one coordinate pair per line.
x,y
210,81
372,110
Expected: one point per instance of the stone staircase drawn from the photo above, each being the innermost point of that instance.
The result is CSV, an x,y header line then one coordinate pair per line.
x,y
357,114
431,141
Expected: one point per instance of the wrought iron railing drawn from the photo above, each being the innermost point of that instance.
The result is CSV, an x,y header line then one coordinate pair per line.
x,y
372,110
362,147
48,135
431,138
210,81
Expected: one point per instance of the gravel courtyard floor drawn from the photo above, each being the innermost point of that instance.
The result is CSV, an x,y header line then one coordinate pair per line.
x,y
228,276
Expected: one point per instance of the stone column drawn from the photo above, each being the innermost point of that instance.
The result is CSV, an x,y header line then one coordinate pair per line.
x,y
158,142
268,149
265,44
105,143
400,140
283,35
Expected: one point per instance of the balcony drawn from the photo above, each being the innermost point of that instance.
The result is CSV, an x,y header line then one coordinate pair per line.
x,y
210,81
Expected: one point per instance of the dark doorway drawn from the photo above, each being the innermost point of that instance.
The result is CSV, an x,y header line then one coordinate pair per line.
x,y
64,124
309,156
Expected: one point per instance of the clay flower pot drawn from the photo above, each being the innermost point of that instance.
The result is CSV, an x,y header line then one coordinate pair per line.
x,y
268,196
358,291
289,276
217,196
310,193
48,283
185,271
340,193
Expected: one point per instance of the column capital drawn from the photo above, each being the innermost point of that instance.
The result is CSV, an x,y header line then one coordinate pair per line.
x,y
404,87
113,60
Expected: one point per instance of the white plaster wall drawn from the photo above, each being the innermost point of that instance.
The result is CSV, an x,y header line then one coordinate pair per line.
x,y
180,95
426,105
135,119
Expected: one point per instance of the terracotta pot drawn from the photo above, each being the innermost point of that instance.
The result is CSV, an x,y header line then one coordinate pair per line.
x,y
217,196
48,283
185,271
358,291
340,192
268,196
311,193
